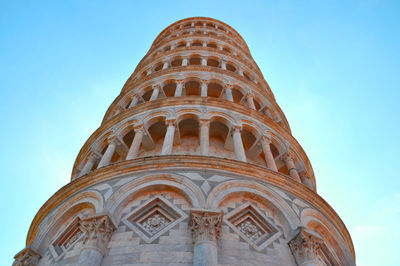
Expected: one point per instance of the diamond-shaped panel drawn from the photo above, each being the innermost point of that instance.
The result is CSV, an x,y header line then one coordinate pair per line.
x,y
153,218
252,226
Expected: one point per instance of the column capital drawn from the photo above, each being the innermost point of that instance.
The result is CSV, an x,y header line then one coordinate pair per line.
x,y
236,127
94,156
249,94
205,224
179,81
288,156
305,247
205,81
98,230
138,127
27,256
266,139
170,121
156,86
113,139
204,122
228,86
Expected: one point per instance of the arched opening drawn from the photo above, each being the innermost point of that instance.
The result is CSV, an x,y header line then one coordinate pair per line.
x,y
167,48
212,45
176,62
181,44
195,61
219,146
157,130
188,136
147,94
237,95
257,104
169,89
192,88
209,25
214,90
198,24
197,43
230,67
226,49
212,62
158,67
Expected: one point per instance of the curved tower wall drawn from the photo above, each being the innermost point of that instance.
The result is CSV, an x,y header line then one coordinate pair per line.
x,y
194,163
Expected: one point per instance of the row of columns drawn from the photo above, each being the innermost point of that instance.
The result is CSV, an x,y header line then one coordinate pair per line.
x,y
204,136
205,226
203,93
204,61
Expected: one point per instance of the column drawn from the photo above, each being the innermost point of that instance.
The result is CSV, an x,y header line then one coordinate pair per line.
x,y
238,144
269,158
106,159
178,89
184,62
223,64
305,248
89,164
27,256
134,101
165,66
203,61
250,100
220,47
149,71
204,87
228,92
306,180
137,141
169,137
204,44
205,226
288,159
204,136
98,230
240,72
188,44
156,91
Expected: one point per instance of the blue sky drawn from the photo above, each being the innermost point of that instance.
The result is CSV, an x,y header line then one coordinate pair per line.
x,y
332,65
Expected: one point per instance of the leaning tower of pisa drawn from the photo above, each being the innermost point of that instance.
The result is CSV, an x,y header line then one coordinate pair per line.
x,y
194,163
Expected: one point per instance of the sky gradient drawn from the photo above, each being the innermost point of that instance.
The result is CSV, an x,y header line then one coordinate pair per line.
x,y
333,67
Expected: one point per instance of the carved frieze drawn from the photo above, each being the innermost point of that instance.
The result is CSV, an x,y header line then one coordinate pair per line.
x,y
27,257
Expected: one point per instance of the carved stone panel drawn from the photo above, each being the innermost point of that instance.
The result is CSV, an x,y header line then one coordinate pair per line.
x,y
153,218
252,226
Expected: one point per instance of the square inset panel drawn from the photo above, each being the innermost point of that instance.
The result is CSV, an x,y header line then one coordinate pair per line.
x,y
249,222
67,239
153,218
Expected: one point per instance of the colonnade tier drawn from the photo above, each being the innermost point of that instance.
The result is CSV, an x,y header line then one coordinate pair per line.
x,y
200,43
221,80
196,126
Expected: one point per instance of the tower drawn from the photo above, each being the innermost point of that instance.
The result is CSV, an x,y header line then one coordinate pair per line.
x,y
193,164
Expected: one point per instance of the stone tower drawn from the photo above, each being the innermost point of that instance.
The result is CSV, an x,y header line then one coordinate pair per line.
x,y
194,163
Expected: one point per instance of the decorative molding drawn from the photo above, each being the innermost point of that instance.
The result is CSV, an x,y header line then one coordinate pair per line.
x,y
205,224
27,257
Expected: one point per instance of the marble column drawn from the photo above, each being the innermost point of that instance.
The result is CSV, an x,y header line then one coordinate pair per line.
x,y
149,71
134,101
165,66
204,136
305,248
89,164
240,72
203,61
238,143
250,100
106,158
169,137
204,87
228,92
27,256
269,158
137,141
178,90
223,64
98,230
156,91
185,62
288,159
205,226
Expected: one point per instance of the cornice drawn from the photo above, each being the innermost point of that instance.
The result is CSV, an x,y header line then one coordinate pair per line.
x,y
182,101
193,162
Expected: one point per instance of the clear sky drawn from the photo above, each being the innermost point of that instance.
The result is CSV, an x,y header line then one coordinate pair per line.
x,y
332,65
